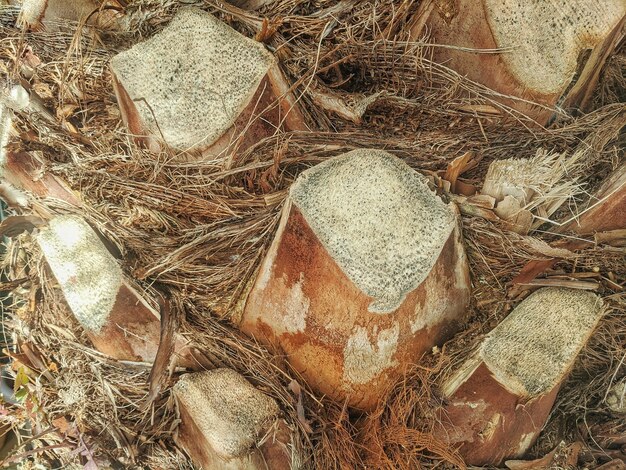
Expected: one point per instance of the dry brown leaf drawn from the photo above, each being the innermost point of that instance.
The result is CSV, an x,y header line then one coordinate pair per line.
x,y
508,208
17,224
477,211
457,167
522,222
482,200
296,389
30,58
543,248
43,90
465,189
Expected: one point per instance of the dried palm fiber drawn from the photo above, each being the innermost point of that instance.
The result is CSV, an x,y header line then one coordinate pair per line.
x,y
200,230
613,83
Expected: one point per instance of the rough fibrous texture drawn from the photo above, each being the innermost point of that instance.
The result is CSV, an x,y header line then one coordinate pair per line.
x,y
377,219
543,40
533,348
191,81
89,275
227,409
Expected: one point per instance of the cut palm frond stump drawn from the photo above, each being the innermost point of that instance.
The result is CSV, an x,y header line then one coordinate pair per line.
x,y
227,424
199,85
118,321
23,170
498,400
538,56
366,273
55,14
